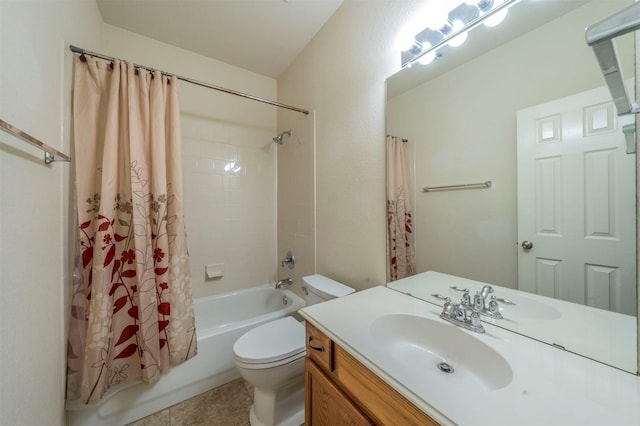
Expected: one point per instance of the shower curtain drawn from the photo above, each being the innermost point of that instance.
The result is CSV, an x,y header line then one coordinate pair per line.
x,y
132,309
400,248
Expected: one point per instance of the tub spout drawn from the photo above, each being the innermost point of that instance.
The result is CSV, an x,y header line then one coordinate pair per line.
x,y
280,283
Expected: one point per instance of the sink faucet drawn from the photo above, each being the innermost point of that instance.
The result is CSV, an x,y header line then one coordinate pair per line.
x,y
486,291
456,313
486,306
481,302
280,283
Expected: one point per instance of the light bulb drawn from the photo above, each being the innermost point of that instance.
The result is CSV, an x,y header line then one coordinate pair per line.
x,y
460,38
427,58
496,18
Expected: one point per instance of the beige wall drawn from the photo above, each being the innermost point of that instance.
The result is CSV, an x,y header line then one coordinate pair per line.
x,y
462,128
341,75
35,74
230,216
35,88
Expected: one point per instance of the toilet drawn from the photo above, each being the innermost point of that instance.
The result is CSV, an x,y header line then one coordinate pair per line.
x,y
271,358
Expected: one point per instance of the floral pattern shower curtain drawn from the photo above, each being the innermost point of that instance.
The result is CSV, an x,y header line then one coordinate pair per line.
x,y
401,252
132,309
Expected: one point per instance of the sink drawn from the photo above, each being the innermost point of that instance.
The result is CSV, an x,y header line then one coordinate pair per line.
x,y
529,308
436,351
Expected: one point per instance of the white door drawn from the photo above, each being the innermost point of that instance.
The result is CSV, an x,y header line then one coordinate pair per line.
x,y
576,203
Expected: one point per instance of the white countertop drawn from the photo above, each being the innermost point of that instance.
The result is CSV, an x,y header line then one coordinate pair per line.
x,y
602,335
549,386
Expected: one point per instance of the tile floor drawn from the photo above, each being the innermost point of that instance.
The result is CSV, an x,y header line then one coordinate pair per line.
x,y
227,405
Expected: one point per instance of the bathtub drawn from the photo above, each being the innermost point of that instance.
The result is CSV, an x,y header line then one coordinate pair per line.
x,y
220,320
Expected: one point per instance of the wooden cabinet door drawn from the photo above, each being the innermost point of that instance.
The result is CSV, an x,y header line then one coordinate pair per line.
x,y
385,405
326,404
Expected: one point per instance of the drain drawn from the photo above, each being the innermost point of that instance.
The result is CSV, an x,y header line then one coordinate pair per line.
x,y
445,368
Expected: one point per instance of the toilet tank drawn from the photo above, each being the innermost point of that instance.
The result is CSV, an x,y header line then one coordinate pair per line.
x,y
320,288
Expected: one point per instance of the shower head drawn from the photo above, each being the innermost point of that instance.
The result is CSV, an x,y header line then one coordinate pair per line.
x,y
278,138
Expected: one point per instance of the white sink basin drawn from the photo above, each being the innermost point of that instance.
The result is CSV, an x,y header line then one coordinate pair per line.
x,y
529,309
426,349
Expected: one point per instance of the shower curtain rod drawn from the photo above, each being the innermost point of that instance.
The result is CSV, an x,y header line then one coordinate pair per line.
x,y
81,51
402,139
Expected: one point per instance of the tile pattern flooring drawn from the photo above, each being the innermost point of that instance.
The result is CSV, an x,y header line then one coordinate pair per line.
x,y
227,405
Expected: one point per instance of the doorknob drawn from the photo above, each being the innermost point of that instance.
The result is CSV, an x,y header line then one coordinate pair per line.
x,y
527,245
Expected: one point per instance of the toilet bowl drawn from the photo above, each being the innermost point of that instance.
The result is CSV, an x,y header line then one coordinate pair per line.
x,y
271,358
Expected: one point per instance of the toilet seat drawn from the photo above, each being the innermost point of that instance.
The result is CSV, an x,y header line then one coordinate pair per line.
x,y
270,345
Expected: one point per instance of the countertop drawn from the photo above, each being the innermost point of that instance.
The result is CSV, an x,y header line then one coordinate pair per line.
x,y
549,386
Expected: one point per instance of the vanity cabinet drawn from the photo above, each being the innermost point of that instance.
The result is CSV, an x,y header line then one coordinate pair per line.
x,y
326,404
339,390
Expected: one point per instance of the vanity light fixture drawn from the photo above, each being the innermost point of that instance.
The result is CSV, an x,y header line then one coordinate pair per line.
x,y
450,28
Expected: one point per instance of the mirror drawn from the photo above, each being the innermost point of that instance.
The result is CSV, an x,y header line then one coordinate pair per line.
x,y
464,117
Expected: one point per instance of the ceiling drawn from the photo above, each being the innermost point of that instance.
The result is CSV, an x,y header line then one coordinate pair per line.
x,y
263,36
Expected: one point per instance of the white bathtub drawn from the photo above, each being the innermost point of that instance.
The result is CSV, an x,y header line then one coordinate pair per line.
x,y
220,320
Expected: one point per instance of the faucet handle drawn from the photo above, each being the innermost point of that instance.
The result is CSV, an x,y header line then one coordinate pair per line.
x,y
466,298
493,305
289,260
475,318
459,312
447,307
478,301
494,308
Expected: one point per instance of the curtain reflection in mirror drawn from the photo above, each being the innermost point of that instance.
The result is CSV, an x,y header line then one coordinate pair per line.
x,y
401,250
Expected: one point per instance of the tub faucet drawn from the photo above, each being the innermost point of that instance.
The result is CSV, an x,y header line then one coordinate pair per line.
x,y
280,283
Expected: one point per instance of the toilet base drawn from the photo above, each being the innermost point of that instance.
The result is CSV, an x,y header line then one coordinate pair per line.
x,y
296,419
285,408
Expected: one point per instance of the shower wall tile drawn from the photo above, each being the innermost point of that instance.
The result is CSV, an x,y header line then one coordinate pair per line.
x,y
229,183
229,153
214,150
206,165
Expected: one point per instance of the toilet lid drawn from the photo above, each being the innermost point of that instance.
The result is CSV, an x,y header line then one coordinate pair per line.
x,y
270,342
